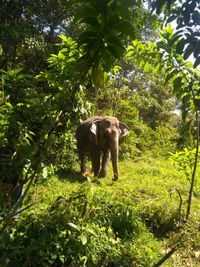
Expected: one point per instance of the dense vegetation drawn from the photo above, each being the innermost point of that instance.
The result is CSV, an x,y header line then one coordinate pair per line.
x,y
62,61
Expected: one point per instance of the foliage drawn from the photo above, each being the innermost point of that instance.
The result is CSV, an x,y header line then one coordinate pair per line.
x,y
184,162
186,16
29,31
163,56
99,223
42,101
185,82
84,228
30,121
105,28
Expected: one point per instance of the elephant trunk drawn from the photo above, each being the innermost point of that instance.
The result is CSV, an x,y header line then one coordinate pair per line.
x,y
114,150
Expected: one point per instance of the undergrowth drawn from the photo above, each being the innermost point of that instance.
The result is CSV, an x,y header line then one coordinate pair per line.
x,y
76,221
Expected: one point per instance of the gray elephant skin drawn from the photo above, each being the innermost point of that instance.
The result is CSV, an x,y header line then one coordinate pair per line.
x,y
99,137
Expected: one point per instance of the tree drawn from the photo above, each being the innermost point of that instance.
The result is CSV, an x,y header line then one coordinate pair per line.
x,y
186,15
29,31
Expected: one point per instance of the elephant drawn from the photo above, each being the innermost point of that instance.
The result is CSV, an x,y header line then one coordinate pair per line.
x,y
99,135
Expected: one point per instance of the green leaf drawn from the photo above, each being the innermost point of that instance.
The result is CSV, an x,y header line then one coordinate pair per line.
x,y
197,103
188,51
107,60
197,49
63,37
124,27
197,62
83,239
92,21
24,76
177,83
115,51
170,75
196,17
186,14
156,68
1,50
14,72
175,38
74,226
116,69
91,232
180,46
171,18
147,67
44,173
86,36
62,258
114,41
88,11
106,76
158,5
9,105
188,65
141,64
123,11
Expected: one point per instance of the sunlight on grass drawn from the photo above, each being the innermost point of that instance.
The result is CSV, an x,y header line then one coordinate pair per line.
x,y
152,189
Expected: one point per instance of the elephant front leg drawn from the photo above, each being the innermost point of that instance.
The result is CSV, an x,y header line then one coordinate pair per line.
x,y
95,156
105,159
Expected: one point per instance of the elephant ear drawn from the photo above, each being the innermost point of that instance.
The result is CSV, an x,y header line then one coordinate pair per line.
x,y
93,127
124,129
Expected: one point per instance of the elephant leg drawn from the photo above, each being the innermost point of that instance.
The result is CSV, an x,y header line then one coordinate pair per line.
x,y
83,160
105,159
95,156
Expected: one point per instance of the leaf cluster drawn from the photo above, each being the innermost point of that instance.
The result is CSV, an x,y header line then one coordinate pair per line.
x,y
105,27
187,17
163,56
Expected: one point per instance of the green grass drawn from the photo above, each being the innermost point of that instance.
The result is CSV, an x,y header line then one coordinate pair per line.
x,y
152,190
97,222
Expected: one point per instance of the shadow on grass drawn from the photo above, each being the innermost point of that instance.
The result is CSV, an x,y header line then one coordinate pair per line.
x,y
74,176
160,226
71,175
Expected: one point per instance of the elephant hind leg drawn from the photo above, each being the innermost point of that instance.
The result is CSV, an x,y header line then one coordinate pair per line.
x,y
95,156
83,162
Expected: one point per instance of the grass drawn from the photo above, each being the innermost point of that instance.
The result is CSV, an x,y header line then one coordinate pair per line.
x,y
152,189
87,221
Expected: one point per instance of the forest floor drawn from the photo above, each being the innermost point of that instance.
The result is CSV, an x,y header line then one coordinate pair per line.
x,y
158,194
